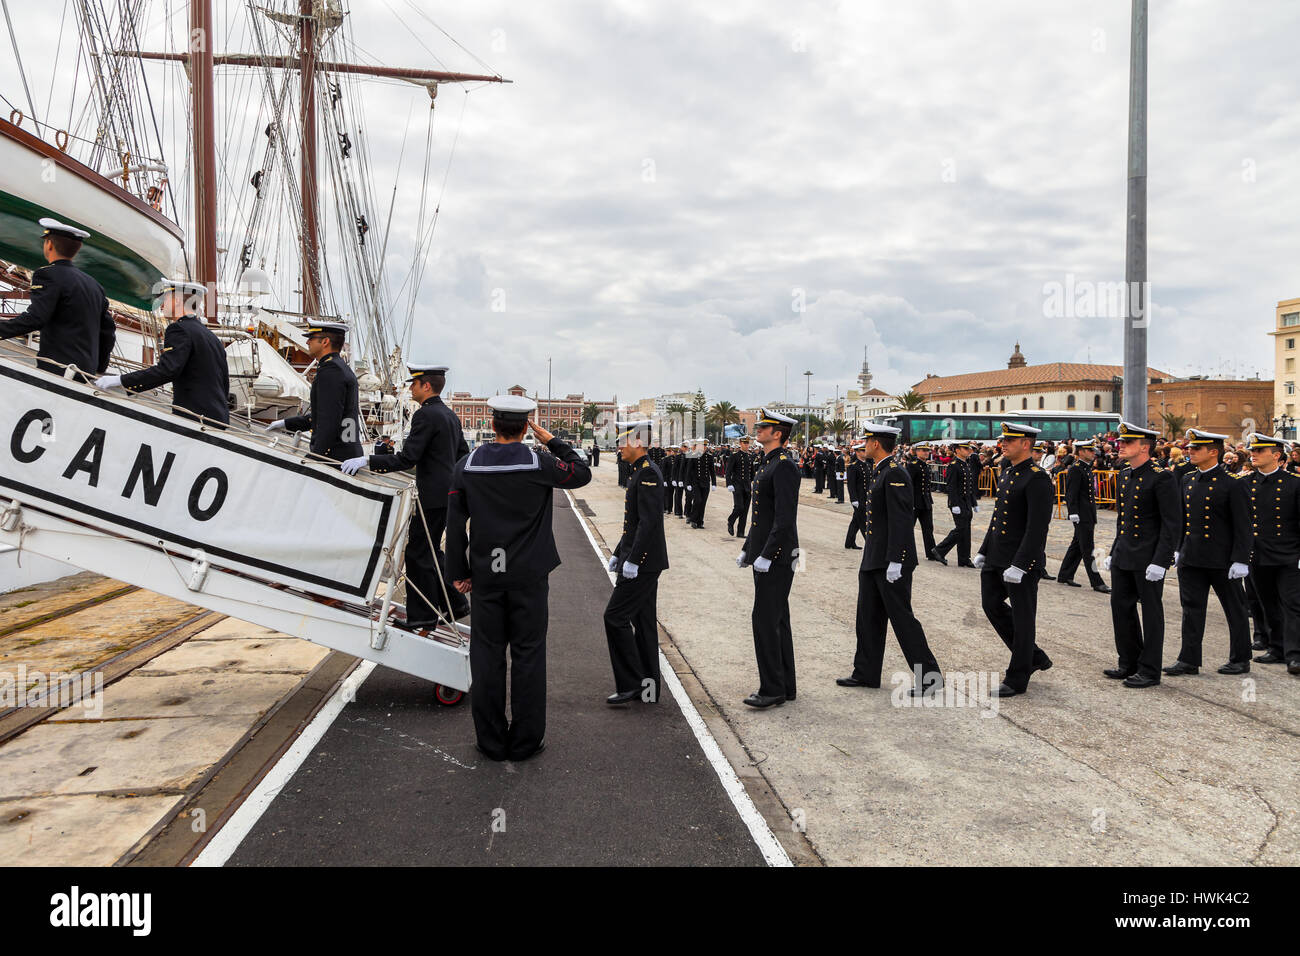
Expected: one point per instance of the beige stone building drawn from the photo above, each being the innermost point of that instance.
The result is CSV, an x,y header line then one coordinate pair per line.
x,y
1286,334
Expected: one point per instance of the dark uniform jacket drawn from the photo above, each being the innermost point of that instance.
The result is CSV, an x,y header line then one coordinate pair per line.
x,y
1216,528
1182,470
1021,516
773,529
1275,517
922,496
194,361
740,470
643,541
432,448
857,480
960,485
701,471
505,490
1080,499
70,311
335,414
890,515
1149,515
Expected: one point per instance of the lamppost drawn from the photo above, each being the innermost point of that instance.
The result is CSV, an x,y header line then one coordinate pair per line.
x,y
1283,426
807,410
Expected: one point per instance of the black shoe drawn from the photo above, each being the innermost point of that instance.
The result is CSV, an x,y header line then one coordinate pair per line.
x,y
1070,584
929,556
731,527
1293,667
1101,588
761,702
1269,658
532,753
1005,690
1043,575
1140,680
1258,645
852,681
487,753
1178,669
852,547
965,564
936,556
623,697
1042,667
1235,667
789,697
1118,673
421,625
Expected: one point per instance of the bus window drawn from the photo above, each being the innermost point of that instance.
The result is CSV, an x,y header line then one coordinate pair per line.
x,y
1089,429
972,428
1051,429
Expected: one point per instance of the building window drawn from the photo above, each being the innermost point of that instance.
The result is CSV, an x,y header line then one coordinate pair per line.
x,y
963,408
1069,402
1290,365
954,407
1221,406
1291,318
1290,388
1096,402
1247,407
1040,402
988,406
1290,343
1002,404
1024,403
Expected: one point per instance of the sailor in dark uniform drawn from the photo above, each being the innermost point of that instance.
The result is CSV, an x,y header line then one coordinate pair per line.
x,y
885,576
773,549
668,465
923,498
819,469
1146,535
595,455
335,414
1275,562
432,447
1081,506
702,477
963,496
68,308
1214,544
504,491
193,359
679,479
857,479
1009,557
640,556
739,475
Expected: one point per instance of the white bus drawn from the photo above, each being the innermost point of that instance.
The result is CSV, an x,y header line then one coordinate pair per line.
x,y
987,428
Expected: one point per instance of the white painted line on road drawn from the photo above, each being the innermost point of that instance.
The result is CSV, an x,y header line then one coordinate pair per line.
x,y
226,840
768,844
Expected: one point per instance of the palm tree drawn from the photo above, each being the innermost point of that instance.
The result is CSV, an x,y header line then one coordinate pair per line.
x,y
677,413
815,427
721,415
1174,423
838,427
911,401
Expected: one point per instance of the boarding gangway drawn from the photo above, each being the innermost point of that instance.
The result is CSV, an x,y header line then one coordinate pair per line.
x,y
234,519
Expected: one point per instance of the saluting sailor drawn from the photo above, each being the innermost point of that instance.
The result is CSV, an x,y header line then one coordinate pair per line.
x,y
433,446
641,555
1081,506
773,548
335,414
504,491
963,499
1010,556
1214,543
1146,535
1275,562
193,359
885,576
68,308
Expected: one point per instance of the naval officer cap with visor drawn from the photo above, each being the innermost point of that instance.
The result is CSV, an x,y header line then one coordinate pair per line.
x,y
53,227
874,428
319,328
1203,439
420,371
1019,430
1130,432
768,417
1261,442
639,429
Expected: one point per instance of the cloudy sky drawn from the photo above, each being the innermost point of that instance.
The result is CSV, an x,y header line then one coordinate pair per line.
x,y
720,195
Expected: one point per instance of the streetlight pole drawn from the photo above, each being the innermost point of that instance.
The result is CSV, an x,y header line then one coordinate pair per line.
x,y
807,412
1135,265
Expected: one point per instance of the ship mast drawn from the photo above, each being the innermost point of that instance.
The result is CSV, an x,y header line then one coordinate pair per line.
x,y
205,154
307,160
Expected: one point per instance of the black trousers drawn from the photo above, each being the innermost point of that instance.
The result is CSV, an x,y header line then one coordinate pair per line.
x,y
668,497
926,518
835,487
857,525
1012,609
1139,645
739,509
700,499
1278,587
679,493
514,618
1194,586
773,640
879,604
958,537
1080,550
1255,605
424,561
819,475
632,633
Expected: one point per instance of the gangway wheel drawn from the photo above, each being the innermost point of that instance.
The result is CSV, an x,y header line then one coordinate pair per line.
x,y
448,696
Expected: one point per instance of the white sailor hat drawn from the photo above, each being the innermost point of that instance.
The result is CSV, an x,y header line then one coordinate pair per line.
x,y
921,446
769,417
511,408
636,429
1018,430
420,370
1130,432
1090,444
54,227
314,328
1199,436
686,443
961,444
180,287
1260,442
872,428
861,443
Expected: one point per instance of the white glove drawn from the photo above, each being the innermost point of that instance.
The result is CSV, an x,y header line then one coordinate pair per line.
x,y
1155,572
689,488
1105,563
893,572
105,382
1238,570
855,504
978,560
1074,518
976,509
761,564
731,487
629,570
614,562
1176,559
956,511
1013,575
276,426
354,465
740,560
